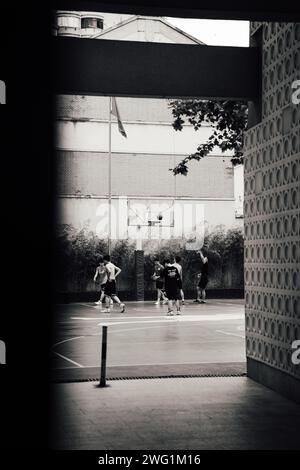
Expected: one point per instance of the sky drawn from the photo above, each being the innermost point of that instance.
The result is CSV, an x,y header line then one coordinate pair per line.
x,y
215,32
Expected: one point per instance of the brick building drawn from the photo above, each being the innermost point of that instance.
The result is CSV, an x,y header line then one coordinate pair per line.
x,y
140,163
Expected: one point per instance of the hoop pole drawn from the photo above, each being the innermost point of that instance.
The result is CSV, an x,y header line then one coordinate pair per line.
x,y
109,179
103,357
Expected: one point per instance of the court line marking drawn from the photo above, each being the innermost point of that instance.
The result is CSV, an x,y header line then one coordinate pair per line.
x,y
230,334
185,309
130,329
149,328
87,305
209,303
179,319
182,317
67,359
126,330
229,303
115,331
173,319
66,340
157,364
113,319
191,303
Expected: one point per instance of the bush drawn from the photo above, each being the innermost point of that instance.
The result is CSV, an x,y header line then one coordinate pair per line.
x,y
77,253
76,257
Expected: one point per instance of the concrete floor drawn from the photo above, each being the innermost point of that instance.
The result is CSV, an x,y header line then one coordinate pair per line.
x,y
173,414
144,337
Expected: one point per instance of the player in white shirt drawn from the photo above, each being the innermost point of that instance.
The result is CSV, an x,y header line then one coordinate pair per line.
x,y
110,290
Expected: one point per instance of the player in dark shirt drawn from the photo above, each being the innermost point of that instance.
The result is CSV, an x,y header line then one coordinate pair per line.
x,y
157,276
177,264
172,278
203,280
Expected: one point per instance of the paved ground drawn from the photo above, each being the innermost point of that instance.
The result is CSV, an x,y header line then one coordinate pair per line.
x,y
144,337
174,414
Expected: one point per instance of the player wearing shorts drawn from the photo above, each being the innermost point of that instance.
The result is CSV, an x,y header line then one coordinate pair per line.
x,y
110,289
102,275
157,277
172,277
179,268
203,280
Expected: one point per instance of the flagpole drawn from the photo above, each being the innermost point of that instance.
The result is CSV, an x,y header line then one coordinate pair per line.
x,y
109,179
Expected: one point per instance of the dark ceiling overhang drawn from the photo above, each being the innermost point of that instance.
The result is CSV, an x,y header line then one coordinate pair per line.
x,y
123,68
255,10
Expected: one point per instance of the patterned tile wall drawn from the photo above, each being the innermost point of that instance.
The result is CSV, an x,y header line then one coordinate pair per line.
x,y
272,205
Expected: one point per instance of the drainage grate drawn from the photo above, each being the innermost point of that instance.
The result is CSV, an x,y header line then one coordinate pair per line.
x,y
148,377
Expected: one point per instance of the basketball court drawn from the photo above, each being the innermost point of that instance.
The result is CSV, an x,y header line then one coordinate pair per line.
x,y
143,341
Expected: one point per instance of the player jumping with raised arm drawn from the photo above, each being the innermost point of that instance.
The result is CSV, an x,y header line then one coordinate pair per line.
x,y
203,280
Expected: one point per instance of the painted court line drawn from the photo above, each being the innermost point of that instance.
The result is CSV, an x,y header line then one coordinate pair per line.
x,y
175,318
88,305
230,334
156,364
67,340
117,318
67,359
182,317
123,330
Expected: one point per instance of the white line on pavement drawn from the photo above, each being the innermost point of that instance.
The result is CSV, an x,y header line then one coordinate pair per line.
x,y
67,340
210,317
88,305
116,318
175,318
67,359
157,364
230,334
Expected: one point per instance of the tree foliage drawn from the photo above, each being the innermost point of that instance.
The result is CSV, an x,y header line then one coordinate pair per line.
x,y
228,120
77,254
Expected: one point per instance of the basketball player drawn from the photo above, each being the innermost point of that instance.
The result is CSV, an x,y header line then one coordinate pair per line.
x,y
101,272
179,268
110,290
172,277
157,276
203,280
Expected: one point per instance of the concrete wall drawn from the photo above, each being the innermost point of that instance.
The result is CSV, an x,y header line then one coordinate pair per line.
x,y
82,107
85,174
142,137
92,213
272,216
140,163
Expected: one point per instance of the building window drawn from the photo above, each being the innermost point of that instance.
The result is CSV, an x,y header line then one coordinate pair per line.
x,y
94,23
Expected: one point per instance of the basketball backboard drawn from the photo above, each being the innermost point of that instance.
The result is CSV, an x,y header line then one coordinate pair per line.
x,y
150,213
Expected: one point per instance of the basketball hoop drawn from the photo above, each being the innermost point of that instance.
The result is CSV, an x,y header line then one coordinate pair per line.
x,y
152,223
150,213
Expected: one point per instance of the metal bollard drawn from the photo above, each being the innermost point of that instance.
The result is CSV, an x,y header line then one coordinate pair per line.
x,y
103,357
